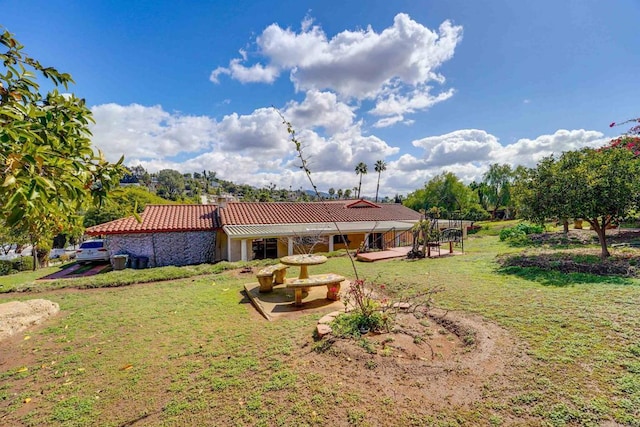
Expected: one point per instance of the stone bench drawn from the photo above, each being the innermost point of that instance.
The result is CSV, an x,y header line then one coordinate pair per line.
x,y
273,274
330,280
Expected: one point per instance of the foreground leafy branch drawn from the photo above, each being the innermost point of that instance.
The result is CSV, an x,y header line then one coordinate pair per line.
x,y
50,172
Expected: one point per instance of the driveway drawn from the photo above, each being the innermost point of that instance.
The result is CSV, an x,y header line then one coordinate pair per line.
x,y
79,270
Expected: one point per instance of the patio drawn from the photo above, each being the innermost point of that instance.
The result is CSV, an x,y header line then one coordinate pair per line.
x,y
280,302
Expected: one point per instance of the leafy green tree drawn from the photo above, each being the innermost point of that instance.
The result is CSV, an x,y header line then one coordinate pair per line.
x,y
598,186
340,193
264,196
445,192
332,192
122,203
481,189
171,183
380,167
347,193
9,236
361,169
498,181
50,171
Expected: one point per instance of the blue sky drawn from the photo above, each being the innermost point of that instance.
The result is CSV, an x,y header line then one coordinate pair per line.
x,y
426,86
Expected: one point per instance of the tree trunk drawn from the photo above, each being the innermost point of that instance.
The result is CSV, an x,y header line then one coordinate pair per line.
x,y
600,230
377,188
565,225
34,253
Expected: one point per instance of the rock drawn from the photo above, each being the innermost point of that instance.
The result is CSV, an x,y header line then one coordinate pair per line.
x,y
325,320
402,305
323,330
16,316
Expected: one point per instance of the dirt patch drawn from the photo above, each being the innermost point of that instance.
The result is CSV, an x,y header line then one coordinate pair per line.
x,y
623,263
586,237
425,363
16,316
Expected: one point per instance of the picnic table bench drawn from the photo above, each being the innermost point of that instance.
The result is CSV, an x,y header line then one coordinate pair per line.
x,y
270,275
330,280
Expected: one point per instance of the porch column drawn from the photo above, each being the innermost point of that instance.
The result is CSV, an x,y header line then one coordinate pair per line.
x,y
229,248
330,243
243,250
289,246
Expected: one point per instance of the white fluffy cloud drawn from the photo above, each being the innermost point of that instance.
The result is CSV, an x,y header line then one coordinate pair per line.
x,y
260,133
255,149
462,146
468,153
394,67
528,152
149,132
320,109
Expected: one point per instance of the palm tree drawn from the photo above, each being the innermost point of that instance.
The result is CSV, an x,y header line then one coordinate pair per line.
x,y
380,167
339,193
347,193
361,169
332,192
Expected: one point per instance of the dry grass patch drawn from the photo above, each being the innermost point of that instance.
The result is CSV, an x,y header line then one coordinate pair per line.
x,y
193,351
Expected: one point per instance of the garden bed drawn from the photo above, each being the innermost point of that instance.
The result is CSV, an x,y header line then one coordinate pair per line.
x,y
426,361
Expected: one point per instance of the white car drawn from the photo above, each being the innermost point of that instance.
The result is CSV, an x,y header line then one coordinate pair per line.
x,y
92,250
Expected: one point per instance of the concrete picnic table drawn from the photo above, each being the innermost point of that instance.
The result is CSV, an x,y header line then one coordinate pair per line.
x,y
303,261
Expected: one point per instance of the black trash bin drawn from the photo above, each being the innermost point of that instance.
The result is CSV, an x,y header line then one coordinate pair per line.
x,y
135,262
143,262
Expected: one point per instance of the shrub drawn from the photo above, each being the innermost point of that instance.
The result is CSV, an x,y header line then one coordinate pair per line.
x,y
24,263
521,229
350,324
473,229
517,235
5,267
475,213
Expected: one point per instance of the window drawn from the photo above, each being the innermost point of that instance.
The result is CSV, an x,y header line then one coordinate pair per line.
x,y
341,239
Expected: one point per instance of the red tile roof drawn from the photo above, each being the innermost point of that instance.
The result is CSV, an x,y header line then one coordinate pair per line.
x,y
162,218
246,213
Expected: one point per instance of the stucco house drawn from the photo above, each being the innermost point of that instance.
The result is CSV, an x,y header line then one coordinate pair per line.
x,y
192,234
167,235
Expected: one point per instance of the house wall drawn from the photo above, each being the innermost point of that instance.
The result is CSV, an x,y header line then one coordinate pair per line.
x,y
178,248
236,249
222,240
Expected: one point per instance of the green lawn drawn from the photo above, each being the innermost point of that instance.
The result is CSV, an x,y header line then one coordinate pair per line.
x,y
193,351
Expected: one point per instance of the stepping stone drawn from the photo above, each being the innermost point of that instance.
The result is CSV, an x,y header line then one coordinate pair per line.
x,y
323,330
325,320
402,305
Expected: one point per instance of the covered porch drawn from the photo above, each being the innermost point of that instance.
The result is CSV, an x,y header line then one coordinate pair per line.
x,y
261,241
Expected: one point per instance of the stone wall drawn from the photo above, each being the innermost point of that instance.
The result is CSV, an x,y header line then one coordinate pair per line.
x,y
178,248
